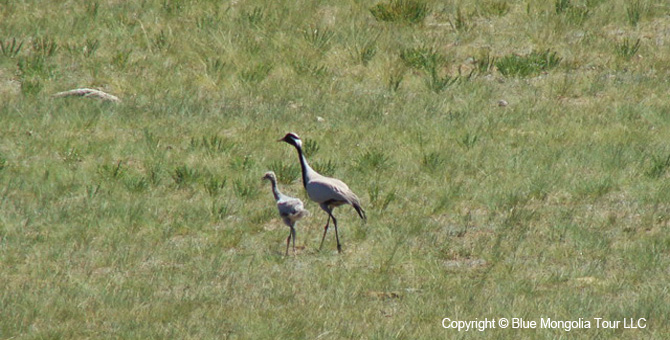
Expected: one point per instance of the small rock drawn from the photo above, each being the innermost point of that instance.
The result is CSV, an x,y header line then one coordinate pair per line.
x,y
320,119
502,103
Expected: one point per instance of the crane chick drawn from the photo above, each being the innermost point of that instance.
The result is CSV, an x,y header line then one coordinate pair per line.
x,y
290,209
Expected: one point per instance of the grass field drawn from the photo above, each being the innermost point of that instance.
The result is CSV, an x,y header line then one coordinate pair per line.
x,y
148,218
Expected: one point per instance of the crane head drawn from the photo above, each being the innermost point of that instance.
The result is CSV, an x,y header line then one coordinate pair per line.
x,y
270,175
292,139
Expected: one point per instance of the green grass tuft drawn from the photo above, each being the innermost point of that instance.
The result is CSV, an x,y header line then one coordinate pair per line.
x,y
318,37
432,161
423,58
214,185
185,175
246,189
460,21
495,7
10,48
374,160
310,147
634,11
287,172
529,65
326,168
484,63
659,165
627,49
403,11
255,17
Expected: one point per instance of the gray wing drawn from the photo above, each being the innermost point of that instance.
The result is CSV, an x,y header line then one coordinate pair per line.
x,y
291,208
327,189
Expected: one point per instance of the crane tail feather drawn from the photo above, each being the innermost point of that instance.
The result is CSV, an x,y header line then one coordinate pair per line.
x,y
360,212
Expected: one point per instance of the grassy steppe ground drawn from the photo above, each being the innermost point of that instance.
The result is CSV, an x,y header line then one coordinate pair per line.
x,y
148,218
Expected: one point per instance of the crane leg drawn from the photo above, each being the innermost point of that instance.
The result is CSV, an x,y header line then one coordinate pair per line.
x,y
288,241
325,230
337,237
293,237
